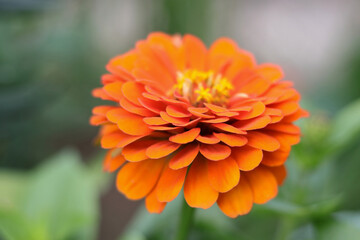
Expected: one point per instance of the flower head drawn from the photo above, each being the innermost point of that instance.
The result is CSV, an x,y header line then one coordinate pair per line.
x,y
210,121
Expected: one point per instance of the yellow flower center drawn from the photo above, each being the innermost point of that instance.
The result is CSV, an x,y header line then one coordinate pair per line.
x,y
199,87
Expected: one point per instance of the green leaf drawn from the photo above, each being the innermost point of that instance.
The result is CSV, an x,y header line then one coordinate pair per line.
x,y
59,201
346,126
345,226
13,226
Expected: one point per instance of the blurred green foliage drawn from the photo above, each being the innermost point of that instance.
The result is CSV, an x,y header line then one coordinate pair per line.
x,y
47,72
58,200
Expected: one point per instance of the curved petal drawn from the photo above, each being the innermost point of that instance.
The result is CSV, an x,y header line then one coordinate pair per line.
x,y
263,184
237,201
228,128
114,90
132,91
233,140
185,137
177,111
185,156
271,72
136,179
276,158
128,122
262,141
197,190
161,149
208,139
113,163
195,52
153,205
279,173
223,175
254,123
170,184
247,157
215,152
136,151
117,139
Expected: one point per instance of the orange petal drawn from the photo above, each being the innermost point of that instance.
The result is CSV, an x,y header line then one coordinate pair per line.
x,y
237,201
161,149
174,120
227,114
101,110
215,108
279,173
247,157
256,86
254,123
185,156
223,175
215,152
128,122
241,60
285,139
263,184
285,128
154,106
109,128
271,72
153,205
258,108
114,90
100,93
224,46
262,141
97,120
121,65
155,121
113,163
136,151
195,52
133,108
216,120
167,43
296,115
136,179
170,184
200,112
117,139
287,108
166,128
233,140
185,137
149,69
208,139
197,190
157,57
109,78
276,158
228,128
177,111
132,91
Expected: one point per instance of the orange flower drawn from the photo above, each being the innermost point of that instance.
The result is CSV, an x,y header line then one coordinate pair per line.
x,y
210,121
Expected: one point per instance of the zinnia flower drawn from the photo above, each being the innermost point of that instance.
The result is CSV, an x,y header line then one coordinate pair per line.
x,y
210,121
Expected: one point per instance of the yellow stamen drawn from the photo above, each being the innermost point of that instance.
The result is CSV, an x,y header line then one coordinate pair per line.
x,y
201,86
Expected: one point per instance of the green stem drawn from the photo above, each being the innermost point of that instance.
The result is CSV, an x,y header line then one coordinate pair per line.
x,y
186,221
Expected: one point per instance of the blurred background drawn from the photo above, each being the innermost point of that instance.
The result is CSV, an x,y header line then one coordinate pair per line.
x,y
52,54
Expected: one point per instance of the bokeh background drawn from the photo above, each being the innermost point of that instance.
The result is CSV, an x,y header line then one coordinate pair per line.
x,y
52,54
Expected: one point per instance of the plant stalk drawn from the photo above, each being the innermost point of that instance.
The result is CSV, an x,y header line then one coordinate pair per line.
x,y
186,221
